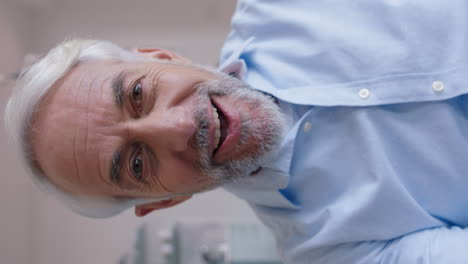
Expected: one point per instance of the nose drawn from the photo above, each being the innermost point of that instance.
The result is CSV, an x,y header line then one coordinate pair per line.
x,y
171,130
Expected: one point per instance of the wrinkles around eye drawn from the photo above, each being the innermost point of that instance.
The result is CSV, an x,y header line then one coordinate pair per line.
x,y
150,177
159,185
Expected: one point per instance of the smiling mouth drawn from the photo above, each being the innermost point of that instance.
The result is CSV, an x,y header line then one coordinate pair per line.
x,y
221,128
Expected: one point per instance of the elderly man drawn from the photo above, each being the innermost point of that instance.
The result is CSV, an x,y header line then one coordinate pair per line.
x,y
343,124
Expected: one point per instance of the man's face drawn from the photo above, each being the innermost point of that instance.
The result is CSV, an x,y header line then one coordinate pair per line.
x,y
151,129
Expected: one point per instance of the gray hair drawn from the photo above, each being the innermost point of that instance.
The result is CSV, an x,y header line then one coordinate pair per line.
x,y
32,84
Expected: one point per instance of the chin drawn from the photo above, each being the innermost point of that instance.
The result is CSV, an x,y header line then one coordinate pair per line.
x,y
261,132
258,144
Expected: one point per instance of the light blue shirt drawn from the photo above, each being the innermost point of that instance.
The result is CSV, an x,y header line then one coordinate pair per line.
x,y
374,168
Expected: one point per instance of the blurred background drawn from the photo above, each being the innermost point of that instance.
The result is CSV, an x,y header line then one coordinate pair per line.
x,y
36,229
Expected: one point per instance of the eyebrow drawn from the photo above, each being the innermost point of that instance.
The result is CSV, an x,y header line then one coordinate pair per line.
x,y
117,88
115,168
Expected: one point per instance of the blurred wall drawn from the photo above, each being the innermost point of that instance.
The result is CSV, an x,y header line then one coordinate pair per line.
x,y
35,229
194,28
15,199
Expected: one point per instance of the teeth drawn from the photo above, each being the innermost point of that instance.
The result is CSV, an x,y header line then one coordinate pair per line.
x,y
217,135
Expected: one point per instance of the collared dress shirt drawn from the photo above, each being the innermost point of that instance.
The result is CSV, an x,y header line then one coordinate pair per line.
x,y
374,166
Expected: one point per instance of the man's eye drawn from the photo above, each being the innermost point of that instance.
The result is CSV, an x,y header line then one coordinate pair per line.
x,y
137,97
137,167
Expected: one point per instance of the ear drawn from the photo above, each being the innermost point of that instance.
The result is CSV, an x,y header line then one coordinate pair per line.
x,y
162,54
144,209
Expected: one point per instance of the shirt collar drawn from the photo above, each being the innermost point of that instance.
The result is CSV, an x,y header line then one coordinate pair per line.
x,y
234,65
236,68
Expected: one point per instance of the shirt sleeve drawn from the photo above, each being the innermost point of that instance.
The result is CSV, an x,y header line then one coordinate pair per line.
x,y
438,245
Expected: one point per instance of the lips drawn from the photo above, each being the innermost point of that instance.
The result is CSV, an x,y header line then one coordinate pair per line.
x,y
229,129
221,128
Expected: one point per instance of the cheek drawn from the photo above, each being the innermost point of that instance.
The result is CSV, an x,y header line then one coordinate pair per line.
x,y
180,83
182,177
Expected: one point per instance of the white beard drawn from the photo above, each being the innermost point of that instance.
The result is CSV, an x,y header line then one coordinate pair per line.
x,y
267,131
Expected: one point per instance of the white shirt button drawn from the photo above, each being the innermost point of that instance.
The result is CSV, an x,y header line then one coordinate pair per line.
x,y
364,93
307,126
438,86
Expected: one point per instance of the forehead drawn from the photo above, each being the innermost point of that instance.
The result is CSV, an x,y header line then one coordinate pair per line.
x,y
88,76
77,126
